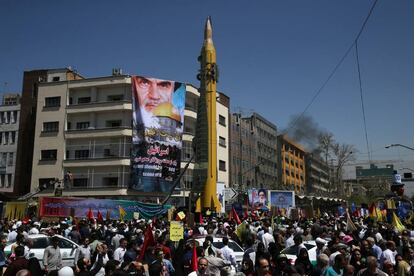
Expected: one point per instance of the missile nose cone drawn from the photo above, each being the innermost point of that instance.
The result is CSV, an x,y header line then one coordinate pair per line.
x,y
208,31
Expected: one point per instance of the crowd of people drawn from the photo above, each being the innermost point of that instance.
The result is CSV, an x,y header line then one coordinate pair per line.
x,y
318,246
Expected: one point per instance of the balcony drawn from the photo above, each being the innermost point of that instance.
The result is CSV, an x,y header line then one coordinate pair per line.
x,y
92,132
97,161
104,106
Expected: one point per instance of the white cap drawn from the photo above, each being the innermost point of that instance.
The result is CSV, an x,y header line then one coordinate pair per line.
x,y
66,271
320,240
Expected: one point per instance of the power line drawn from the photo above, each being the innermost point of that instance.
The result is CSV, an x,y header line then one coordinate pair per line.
x,y
334,69
362,100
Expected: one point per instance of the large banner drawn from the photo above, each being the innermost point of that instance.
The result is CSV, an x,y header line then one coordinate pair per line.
x,y
258,199
282,199
109,208
157,127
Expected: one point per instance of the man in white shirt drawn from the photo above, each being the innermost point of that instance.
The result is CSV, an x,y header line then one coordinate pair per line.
x,y
228,253
267,238
389,253
120,251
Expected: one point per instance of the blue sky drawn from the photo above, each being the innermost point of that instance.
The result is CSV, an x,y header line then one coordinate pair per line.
x,y
273,55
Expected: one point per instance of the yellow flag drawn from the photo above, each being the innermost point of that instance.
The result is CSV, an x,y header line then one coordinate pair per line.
x,y
122,212
396,222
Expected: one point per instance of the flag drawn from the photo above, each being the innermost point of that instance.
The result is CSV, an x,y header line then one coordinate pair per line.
x,y
148,241
89,215
241,229
350,226
108,215
200,218
99,217
396,222
235,216
318,213
194,261
122,212
375,213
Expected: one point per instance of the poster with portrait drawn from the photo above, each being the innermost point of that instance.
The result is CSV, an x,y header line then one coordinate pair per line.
x,y
282,199
258,199
157,127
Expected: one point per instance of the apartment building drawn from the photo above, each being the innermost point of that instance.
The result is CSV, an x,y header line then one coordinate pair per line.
x,y
83,129
291,165
27,121
9,132
317,176
253,152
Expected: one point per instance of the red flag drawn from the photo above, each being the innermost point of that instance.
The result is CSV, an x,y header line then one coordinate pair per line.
x,y
201,218
194,261
148,241
99,217
236,216
89,215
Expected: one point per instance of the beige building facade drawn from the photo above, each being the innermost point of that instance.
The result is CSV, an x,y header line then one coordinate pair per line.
x,y
83,130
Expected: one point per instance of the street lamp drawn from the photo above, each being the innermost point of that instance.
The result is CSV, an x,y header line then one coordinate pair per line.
x,y
398,145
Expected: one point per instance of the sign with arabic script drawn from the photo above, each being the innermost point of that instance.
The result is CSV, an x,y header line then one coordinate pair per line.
x,y
157,127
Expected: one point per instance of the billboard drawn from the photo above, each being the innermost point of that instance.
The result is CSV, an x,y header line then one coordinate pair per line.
x,y
258,198
157,127
79,207
282,199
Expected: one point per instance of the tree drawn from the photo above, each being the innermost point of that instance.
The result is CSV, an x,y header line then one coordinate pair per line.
x,y
343,153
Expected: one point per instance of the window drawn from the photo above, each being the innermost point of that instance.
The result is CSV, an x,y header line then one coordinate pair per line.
x,y
56,79
110,181
6,138
107,153
222,120
222,165
52,102
3,179
9,180
222,141
42,242
8,117
113,123
10,161
84,100
14,117
13,137
50,126
48,155
3,159
80,182
82,125
115,98
81,154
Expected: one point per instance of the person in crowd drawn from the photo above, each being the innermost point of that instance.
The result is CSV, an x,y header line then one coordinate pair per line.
x,y
338,267
389,253
376,251
82,252
247,267
228,253
121,250
372,268
322,264
357,261
19,263
303,261
3,259
263,267
52,258
202,268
